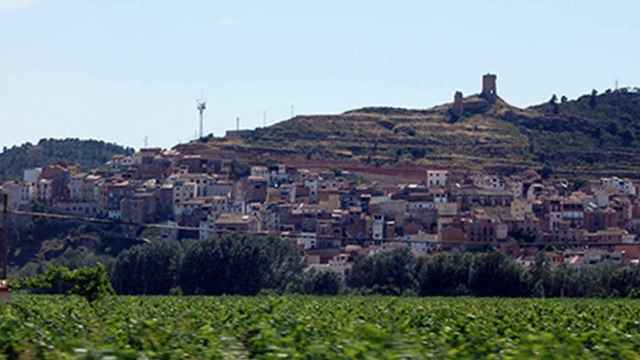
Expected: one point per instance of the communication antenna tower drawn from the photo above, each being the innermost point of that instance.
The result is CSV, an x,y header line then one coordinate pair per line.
x,y
146,141
238,123
201,106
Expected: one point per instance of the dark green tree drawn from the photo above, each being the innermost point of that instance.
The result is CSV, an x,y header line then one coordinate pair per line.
x,y
92,283
546,171
315,282
443,274
149,269
553,104
238,264
388,272
539,275
495,274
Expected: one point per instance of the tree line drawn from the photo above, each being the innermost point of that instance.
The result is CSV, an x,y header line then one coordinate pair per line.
x,y
248,265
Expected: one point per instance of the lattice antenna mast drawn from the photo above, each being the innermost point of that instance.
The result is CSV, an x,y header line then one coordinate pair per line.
x,y
201,106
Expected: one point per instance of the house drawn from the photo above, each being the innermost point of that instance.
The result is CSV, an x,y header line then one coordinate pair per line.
x,y
19,194
252,189
139,208
182,192
437,178
112,194
236,223
59,176
84,209
84,188
169,231
260,171
621,186
470,197
306,240
44,191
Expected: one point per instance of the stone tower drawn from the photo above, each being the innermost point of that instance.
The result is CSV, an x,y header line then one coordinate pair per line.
x,y
458,105
489,89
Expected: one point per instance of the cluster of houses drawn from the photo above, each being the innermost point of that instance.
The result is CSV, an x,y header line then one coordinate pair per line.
x,y
334,216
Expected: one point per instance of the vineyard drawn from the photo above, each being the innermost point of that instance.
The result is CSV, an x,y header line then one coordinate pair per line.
x,y
34,327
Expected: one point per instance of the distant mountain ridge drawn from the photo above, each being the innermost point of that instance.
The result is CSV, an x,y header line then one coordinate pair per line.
x,y
86,153
594,135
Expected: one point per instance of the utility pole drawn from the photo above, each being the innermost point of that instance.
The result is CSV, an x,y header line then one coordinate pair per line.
x,y
4,235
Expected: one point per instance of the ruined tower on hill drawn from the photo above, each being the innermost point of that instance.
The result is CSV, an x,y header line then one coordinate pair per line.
x,y
489,89
458,105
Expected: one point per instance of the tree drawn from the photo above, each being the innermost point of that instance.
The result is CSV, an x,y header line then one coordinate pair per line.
x,y
494,274
443,274
238,264
546,171
563,99
315,282
91,283
553,104
388,272
149,269
286,263
539,275
239,169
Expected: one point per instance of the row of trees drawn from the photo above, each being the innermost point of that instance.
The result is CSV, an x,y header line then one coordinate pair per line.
x,y
248,265
490,274
235,264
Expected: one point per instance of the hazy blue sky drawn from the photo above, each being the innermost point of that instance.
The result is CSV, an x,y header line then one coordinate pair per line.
x,y
120,70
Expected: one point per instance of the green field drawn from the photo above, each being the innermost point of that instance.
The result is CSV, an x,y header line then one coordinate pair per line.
x,y
317,328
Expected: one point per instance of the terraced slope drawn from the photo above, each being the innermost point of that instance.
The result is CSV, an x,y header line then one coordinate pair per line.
x,y
592,135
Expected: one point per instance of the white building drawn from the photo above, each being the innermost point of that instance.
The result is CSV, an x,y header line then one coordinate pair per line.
x,y
377,229
621,186
44,190
489,182
182,192
31,176
260,171
307,240
437,178
312,185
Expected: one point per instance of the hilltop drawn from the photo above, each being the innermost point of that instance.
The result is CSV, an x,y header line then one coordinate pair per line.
x,y
593,135
86,153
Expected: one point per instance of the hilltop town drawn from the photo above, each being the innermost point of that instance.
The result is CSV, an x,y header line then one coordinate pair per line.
x,y
474,174
335,215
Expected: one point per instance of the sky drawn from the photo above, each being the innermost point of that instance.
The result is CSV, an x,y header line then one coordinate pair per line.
x,y
125,70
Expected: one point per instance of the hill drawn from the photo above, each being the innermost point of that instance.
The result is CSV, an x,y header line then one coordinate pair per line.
x,y
86,153
590,136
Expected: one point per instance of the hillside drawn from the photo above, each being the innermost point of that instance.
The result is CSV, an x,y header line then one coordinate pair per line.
x,y
86,153
589,136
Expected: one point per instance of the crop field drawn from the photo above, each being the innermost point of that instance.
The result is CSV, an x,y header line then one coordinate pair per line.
x,y
34,327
